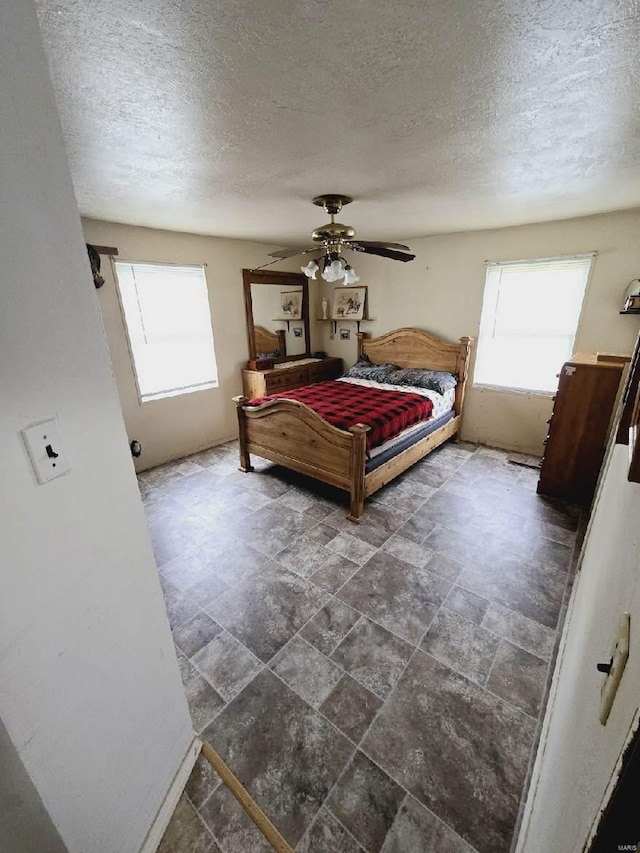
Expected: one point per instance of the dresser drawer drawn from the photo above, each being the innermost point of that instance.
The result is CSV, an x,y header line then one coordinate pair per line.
x,y
281,379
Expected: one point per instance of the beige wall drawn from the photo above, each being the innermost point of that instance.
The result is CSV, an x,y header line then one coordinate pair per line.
x,y
442,291
578,755
177,426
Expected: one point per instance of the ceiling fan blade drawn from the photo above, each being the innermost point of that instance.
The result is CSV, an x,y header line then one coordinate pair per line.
x,y
383,245
292,251
382,252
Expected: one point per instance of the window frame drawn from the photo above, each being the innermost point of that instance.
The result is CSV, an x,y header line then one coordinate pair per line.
x,y
144,400
509,389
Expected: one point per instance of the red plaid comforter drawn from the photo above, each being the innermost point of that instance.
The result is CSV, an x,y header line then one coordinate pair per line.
x,y
344,404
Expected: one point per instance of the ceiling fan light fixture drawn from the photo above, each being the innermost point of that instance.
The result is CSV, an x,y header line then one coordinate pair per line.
x,y
334,271
310,269
350,276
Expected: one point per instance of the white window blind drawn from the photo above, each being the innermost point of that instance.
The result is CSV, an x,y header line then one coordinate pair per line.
x,y
168,320
530,314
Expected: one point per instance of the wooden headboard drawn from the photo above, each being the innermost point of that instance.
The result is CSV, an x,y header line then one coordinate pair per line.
x,y
267,341
416,348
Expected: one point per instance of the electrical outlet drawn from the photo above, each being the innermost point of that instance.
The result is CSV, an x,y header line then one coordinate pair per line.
x,y
46,451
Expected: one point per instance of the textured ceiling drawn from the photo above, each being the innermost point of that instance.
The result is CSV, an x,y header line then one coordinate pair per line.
x,y
436,115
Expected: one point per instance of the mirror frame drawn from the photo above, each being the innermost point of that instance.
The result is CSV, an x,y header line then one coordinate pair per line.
x,y
286,279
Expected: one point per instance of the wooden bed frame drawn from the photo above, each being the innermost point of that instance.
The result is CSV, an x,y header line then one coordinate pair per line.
x,y
293,435
267,341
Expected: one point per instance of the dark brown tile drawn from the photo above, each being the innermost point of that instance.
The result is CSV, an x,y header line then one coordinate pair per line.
x,y
553,553
191,636
519,678
531,588
366,801
417,830
334,573
231,825
373,656
351,707
285,754
461,644
460,751
330,625
264,611
204,703
186,833
326,835
306,670
467,604
396,595
415,530
202,782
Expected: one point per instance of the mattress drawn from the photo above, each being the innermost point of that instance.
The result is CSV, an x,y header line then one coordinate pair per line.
x,y
406,439
441,414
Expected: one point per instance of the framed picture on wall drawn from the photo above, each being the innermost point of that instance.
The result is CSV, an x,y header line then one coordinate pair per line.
x,y
349,303
291,304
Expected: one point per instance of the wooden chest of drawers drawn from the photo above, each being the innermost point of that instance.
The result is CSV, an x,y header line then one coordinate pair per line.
x,y
579,427
260,383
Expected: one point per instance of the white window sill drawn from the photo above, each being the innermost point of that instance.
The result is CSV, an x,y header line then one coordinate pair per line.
x,y
503,389
177,392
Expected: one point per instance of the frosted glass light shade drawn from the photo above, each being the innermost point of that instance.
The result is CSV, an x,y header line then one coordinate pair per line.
x,y
333,272
350,276
310,269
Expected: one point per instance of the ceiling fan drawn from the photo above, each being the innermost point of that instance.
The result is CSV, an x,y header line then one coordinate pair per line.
x,y
332,239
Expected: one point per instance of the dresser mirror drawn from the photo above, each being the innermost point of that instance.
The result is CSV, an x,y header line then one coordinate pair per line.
x,y
277,309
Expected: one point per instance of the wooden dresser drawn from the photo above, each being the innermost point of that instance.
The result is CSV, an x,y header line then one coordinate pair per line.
x,y
579,426
259,383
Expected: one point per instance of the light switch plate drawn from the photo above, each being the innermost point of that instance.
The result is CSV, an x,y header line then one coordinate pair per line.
x,y
46,451
618,663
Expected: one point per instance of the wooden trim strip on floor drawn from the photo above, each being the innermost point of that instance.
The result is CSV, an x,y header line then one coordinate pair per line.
x,y
246,800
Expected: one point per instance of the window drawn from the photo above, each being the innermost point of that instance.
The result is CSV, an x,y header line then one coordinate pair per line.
x,y
529,319
166,310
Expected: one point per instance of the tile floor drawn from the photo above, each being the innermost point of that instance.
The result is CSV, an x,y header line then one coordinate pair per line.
x,y
376,687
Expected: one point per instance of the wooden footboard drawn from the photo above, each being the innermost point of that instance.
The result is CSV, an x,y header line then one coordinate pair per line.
x,y
293,435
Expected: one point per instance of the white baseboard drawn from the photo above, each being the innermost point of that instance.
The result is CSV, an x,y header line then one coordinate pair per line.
x,y
161,821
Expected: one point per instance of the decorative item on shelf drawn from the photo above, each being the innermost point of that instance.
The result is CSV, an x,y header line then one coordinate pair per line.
x,y
325,305
632,298
291,304
320,354
349,303
332,239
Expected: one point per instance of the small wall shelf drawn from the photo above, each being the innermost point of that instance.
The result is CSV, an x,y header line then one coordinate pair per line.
x,y
630,311
344,320
287,320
